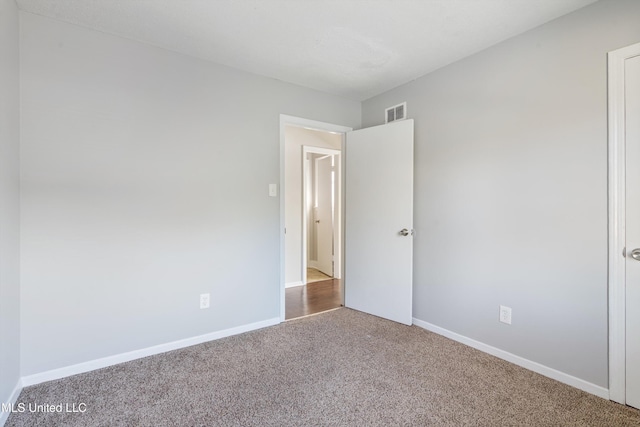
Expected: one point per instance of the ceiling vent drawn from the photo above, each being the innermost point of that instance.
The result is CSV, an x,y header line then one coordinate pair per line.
x,y
395,113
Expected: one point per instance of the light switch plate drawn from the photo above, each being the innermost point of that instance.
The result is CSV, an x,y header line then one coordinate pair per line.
x,y
273,190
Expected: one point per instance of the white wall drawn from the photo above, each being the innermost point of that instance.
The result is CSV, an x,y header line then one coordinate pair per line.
x,y
511,189
9,201
295,138
145,183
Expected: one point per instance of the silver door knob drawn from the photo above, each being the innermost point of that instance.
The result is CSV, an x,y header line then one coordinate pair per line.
x,y
635,254
405,232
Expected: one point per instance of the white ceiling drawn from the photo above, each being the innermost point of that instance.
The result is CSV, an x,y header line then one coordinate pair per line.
x,y
353,48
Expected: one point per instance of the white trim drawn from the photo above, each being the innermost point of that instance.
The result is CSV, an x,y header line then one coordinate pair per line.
x,y
293,284
13,398
517,360
313,314
313,124
91,365
286,120
320,150
617,238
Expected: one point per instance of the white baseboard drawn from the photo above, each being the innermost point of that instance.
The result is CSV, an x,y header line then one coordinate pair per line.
x,y
13,398
293,284
92,365
313,264
517,360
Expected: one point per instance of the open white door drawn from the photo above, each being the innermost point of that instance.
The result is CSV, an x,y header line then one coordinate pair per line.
x,y
632,309
324,214
623,79
379,221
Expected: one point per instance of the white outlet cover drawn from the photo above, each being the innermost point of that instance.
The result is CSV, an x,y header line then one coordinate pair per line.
x,y
505,314
205,301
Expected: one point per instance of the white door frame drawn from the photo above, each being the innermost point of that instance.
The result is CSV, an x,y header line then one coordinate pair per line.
x,y
305,218
286,120
617,220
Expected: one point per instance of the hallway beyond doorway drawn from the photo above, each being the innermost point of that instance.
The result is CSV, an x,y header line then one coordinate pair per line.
x,y
314,275
313,298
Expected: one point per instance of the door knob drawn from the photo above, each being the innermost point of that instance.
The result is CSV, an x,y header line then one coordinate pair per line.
x,y
405,232
635,254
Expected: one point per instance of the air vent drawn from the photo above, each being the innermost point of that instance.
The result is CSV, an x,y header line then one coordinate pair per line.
x,y
395,113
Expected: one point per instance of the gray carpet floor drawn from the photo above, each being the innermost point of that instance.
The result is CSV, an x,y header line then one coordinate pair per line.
x,y
341,368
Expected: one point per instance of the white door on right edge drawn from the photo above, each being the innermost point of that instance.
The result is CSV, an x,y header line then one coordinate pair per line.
x,y
632,112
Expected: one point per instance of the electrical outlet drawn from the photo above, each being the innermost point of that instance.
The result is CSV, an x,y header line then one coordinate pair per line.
x,y
505,314
205,300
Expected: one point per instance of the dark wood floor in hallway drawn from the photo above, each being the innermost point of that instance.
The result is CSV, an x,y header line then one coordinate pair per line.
x,y
312,298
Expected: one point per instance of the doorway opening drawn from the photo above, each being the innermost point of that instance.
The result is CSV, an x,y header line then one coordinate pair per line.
x,y
321,287
322,219
312,217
